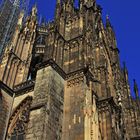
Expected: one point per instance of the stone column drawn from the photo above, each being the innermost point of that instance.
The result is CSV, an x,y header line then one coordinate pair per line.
x,y
79,102
75,89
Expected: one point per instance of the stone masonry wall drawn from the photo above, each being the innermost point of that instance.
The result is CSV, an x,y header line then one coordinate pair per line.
x,y
47,108
5,106
80,121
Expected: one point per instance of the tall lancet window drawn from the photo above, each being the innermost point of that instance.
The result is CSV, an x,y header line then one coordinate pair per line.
x,y
19,120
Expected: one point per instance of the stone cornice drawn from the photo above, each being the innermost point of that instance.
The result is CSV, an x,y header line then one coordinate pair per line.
x,y
24,87
84,71
29,85
51,63
19,89
6,89
106,103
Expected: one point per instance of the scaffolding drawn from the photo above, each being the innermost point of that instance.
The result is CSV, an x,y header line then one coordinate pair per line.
x,y
5,10
9,12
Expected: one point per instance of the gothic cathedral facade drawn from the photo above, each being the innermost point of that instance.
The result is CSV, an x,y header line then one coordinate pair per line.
x,y
62,80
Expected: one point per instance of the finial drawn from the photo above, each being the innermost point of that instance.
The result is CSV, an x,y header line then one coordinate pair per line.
x,y
34,9
107,16
125,68
58,1
108,24
20,19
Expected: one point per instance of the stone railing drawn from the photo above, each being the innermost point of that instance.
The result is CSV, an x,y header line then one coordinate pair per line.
x,y
25,85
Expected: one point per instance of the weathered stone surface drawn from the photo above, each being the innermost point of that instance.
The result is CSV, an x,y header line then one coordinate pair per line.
x,y
93,103
80,121
5,108
46,120
20,98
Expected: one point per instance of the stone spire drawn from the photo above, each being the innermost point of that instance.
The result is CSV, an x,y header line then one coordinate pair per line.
x,y
34,10
69,5
58,9
108,23
58,2
126,82
110,33
136,90
125,71
31,22
89,3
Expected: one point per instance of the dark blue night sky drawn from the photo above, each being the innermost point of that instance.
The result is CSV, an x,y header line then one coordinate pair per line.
x,y
125,18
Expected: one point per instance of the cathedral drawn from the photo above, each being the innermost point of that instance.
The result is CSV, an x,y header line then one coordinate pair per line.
x,y
62,80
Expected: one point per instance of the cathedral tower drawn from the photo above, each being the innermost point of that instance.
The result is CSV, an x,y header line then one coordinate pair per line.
x,y
63,80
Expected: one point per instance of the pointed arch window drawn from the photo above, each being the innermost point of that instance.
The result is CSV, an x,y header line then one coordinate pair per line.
x,y
19,120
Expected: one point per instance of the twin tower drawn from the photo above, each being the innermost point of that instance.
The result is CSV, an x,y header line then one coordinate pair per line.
x,y
62,80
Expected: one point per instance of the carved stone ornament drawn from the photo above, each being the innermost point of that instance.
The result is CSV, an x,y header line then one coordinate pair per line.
x,y
20,117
